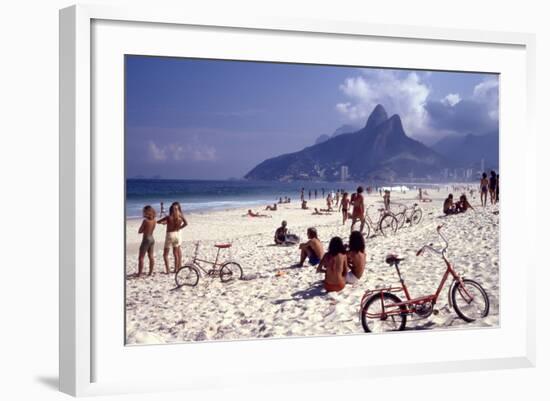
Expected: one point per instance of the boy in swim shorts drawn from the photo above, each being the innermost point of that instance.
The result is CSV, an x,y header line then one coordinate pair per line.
x,y
147,242
312,249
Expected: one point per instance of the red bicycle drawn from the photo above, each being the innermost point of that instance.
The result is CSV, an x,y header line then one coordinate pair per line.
x,y
382,310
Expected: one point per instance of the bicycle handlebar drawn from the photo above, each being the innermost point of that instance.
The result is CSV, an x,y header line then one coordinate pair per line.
x,y
430,246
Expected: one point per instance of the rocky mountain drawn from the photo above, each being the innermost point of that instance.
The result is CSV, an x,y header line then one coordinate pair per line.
x,y
344,129
380,150
470,149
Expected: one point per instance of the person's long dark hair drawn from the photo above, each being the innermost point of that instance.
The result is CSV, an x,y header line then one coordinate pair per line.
x,y
356,242
336,246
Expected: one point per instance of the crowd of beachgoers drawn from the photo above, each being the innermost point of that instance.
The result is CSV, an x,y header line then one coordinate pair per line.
x,y
333,255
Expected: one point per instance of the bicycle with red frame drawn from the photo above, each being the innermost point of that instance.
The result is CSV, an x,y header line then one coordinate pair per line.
x,y
382,310
227,270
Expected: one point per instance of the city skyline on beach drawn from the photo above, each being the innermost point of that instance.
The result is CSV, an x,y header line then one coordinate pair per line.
x,y
215,119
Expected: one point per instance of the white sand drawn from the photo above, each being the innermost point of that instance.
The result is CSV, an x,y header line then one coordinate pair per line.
x,y
267,305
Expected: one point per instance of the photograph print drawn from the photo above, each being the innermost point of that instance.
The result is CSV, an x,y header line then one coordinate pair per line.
x,y
285,200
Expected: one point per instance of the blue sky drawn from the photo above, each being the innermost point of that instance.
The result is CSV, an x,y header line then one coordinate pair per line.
x,y
214,119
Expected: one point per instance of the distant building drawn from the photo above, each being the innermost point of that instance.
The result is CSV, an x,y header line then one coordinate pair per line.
x,y
344,173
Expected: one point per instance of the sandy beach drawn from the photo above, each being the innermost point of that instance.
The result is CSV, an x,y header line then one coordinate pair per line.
x,y
277,300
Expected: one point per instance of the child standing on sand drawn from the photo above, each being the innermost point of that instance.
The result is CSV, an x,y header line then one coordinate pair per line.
x,y
387,200
344,206
174,222
147,242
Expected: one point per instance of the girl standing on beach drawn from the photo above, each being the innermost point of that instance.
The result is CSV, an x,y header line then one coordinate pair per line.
x,y
344,206
174,222
493,187
147,242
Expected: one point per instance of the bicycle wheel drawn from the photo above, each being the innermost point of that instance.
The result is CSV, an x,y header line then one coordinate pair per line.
x,y
231,271
416,217
366,230
401,218
393,319
187,276
470,301
388,225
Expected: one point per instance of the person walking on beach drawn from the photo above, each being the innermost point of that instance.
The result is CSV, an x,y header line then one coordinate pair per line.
x,y
498,188
387,200
357,259
344,207
147,246
484,188
310,194
493,187
315,193
175,221
337,198
312,249
162,211
329,201
358,212
335,266
302,195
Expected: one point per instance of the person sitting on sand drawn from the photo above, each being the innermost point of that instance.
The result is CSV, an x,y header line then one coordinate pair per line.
x,y
280,233
281,200
250,213
269,207
335,265
148,241
312,249
357,258
449,206
462,205
174,222
344,207
304,205
358,209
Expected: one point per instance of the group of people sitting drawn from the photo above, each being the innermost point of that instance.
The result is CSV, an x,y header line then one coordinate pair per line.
x,y
341,264
286,199
451,207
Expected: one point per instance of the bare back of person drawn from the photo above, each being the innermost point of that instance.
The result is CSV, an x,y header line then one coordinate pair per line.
x,y
357,262
336,268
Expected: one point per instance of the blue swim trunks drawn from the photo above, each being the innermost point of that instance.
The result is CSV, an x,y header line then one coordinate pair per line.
x,y
314,261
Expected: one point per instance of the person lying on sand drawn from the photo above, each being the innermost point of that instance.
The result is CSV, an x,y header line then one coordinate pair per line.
x,y
273,208
356,257
449,206
280,233
304,205
148,241
312,249
335,265
250,213
317,212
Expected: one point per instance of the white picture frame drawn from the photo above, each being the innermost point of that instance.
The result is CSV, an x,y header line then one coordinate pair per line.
x,y
78,349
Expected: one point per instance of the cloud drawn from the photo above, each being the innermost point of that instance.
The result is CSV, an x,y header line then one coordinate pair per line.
x,y
400,93
176,152
477,114
451,99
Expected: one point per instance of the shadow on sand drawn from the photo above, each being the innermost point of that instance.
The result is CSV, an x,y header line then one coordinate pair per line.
x,y
316,290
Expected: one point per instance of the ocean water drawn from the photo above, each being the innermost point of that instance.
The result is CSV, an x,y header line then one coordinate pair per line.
x,y
199,195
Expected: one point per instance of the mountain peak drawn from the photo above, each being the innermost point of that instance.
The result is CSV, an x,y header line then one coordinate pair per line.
x,y
377,117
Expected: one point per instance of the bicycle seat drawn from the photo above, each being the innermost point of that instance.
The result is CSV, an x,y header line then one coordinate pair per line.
x,y
222,245
393,259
